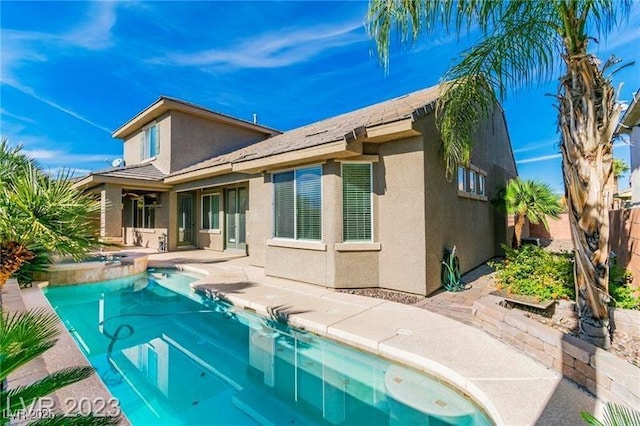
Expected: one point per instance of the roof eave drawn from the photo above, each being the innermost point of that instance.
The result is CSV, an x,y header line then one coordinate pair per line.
x,y
93,180
205,172
163,104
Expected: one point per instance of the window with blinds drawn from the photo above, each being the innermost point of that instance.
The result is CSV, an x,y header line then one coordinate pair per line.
x,y
356,202
298,204
211,211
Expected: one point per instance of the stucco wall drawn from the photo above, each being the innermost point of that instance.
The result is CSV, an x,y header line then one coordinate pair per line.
x,y
472,225
133,145
399,226
197,139
259,218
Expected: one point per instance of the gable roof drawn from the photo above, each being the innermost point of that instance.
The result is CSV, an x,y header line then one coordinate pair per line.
x,y
166,103
344,127
137,175
145,171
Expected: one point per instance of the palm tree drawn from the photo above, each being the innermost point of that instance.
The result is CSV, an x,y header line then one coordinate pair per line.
x,y
25,336
532,200
40,213
524,42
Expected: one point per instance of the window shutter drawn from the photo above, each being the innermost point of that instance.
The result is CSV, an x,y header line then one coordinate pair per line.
x,y
283,205
309,203
356,202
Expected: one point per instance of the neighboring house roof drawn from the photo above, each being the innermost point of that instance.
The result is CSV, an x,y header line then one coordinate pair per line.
x,y
631,117
166,103
345,127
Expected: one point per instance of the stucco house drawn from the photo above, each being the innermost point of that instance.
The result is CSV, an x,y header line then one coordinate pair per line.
x,y
630,125
356,200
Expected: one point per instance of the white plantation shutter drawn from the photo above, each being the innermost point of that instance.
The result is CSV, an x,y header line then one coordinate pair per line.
x,y
309,204
284,207
356,202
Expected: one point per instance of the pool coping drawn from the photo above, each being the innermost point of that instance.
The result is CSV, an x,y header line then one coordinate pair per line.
x,y
64,354
526,393
510,387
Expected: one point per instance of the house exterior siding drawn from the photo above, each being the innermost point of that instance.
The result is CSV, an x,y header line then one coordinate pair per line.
x,y
200,139
472,225
416,212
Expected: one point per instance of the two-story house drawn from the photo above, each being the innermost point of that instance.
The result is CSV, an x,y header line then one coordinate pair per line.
x,y
356,200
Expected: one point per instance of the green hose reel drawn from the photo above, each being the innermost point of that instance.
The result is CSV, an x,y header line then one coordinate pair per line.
x,y
451,271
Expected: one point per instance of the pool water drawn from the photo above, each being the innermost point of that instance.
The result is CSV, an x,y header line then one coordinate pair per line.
x,y
172,356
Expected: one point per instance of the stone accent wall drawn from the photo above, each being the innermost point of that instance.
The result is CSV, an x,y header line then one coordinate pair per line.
x,y
603,374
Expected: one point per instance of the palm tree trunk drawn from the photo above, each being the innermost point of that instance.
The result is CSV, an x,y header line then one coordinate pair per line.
x,y
12,257
517,230
588,116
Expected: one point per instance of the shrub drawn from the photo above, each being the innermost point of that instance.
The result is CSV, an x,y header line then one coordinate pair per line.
x,y
533,271
622,294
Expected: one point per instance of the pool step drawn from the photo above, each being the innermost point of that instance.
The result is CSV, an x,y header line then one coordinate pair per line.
x,y
267,410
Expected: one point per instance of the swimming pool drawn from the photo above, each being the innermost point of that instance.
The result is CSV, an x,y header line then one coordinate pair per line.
x,y
171,356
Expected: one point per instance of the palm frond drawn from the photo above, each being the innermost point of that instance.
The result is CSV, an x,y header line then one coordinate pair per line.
x,y
26,395
614,415
10,362
19,330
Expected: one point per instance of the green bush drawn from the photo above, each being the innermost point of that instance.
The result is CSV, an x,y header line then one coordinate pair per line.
x,y
622,294
533,271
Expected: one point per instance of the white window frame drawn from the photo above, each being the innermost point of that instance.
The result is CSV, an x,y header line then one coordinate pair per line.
x,y
295,202
371,201
462,186
482,184
145,152
472,182
202,228
145,207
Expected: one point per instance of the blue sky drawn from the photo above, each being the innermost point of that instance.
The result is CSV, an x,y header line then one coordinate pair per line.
x,y
68,82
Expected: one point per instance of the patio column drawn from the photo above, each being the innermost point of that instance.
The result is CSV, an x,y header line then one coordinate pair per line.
x,y
111,212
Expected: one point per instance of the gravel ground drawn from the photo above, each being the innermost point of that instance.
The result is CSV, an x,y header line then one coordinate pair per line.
x,y
390,295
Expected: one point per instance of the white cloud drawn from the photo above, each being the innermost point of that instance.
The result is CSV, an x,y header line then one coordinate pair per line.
x,y
30,92
49,156
16,116
539,159
66,171
273,50
536,145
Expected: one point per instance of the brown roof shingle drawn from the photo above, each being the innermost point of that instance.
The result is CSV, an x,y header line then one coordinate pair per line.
x,y
137,171
328,130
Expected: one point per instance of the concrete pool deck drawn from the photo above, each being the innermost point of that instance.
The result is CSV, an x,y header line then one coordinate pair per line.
x,y
513,388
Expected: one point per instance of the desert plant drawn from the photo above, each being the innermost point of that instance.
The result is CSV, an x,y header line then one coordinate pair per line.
x,y
623,295
614,415
533,271
39,213
532,200
523,42
24,336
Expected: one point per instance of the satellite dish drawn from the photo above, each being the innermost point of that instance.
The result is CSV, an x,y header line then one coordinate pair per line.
x,y
118,162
